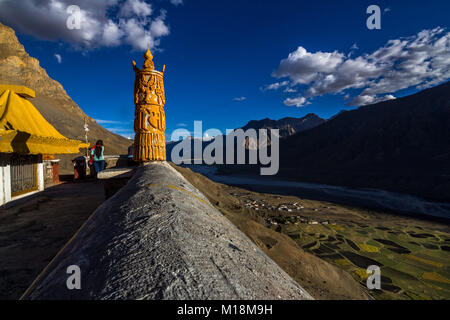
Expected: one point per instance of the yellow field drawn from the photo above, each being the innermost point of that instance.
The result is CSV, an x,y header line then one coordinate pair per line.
x,y
337,227
425,261
433,276
343,262
368,247
362,273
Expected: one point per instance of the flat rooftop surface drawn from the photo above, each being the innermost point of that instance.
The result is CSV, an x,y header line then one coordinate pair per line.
x,y
34,229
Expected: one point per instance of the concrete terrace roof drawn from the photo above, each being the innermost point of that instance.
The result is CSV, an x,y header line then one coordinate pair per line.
x,y
160,238
24,130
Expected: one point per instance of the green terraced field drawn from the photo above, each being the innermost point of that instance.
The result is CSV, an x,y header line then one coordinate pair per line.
x,y
413,265
413,254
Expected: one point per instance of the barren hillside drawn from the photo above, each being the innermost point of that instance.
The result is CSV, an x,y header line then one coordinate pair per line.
x,y
17,67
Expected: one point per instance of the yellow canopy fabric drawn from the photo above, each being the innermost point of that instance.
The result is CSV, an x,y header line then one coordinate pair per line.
x,y
24,130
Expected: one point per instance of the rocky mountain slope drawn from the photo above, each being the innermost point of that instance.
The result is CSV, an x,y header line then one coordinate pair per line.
x,y
287,126
399,145
17,67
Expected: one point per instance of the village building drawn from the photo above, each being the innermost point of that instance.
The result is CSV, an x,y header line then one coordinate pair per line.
x,y
27,140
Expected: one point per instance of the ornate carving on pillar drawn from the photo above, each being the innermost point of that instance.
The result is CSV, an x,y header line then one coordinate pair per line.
x,y
149,118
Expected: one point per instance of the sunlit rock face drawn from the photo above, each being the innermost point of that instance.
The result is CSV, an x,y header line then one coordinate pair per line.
x,y
52,101
160,238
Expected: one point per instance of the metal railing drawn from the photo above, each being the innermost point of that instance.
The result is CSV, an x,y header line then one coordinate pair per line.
x,y
23,178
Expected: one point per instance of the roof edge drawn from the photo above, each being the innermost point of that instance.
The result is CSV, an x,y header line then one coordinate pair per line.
x,y
22,91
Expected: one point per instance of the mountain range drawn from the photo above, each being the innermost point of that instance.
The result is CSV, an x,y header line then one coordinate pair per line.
x,y
286,126
399,145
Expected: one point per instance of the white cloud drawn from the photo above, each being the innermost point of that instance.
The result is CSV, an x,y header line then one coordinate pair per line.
x,y
58,58
112,34
176,2
136,35
119,130
135,8
103,22
298,102
240,99
362,100
420,61
304,67
275,86
101,121
158,28
386,10
124,132
207,137
354,46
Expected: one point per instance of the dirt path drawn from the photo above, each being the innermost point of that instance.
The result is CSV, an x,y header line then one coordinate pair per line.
x,y
33,230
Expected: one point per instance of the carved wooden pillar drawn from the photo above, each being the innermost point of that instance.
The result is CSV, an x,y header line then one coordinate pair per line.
x,y
149,119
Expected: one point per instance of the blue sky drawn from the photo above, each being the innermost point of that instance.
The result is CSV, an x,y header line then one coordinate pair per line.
x,y
222,56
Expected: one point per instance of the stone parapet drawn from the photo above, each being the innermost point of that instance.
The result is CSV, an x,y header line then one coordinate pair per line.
x,y
160,238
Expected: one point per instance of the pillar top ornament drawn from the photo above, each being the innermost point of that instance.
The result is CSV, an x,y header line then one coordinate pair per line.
x,y
148,61
148,64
